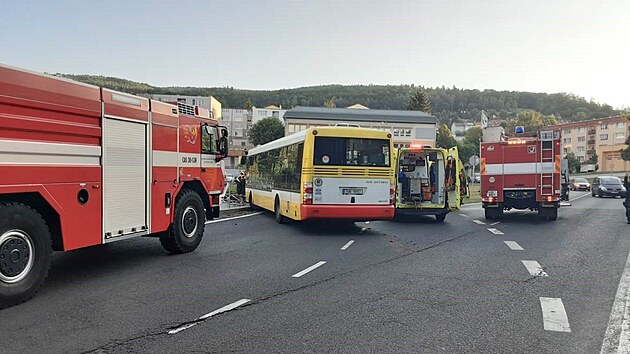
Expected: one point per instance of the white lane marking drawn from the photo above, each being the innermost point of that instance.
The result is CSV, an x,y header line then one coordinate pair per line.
x,y
226,308
495,231
464,215
345,247
233,218
582,196
554,315
535,269
495,223
514,246
479,222
309,269
617,337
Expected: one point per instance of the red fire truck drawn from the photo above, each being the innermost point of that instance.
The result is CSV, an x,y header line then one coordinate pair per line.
x,y
521,172
82,165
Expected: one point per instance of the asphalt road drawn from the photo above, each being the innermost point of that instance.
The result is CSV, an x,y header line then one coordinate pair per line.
x,y
411,286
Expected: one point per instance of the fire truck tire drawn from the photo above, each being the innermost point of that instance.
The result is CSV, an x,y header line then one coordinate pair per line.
x,y
276,210
440,218
186,231
25,253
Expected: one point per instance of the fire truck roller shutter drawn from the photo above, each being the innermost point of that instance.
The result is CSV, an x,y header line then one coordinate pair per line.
x,y
124,177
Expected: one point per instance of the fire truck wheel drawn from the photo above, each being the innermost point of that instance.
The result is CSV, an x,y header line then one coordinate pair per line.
x,y
276,210
440,217
186,232
25,251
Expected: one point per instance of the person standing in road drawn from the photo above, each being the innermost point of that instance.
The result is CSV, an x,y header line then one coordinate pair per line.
x,y
626,202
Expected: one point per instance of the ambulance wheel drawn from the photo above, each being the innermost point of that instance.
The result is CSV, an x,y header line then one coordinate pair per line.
x,y
25,252
276,210
440,218
186,231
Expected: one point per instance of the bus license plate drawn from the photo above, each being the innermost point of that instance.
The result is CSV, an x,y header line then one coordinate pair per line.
x,y
352,191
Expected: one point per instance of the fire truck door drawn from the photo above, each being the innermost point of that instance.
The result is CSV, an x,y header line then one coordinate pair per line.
x,y
454,194
124,178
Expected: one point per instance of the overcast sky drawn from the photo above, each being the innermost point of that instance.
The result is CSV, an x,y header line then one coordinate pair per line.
x,y
576,46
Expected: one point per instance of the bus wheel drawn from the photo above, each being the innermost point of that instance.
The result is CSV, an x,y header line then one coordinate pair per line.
x,y
186,231
25,251
440,217
276,210
251,201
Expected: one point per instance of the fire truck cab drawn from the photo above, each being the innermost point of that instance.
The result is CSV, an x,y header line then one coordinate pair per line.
x,y
521,172
430,181
82,165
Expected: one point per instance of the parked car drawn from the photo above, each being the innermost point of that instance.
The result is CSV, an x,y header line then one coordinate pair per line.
x,y
580,184
608,186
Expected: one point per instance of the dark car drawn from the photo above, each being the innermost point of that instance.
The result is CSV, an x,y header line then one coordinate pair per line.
x,y
608,186
580,184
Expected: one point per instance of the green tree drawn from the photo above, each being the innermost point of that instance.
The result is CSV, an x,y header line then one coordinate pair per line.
x,y
266,130
444,138
549,120
625,153
574,163
593,160
419,101
531,120
330,103
248,104
470,145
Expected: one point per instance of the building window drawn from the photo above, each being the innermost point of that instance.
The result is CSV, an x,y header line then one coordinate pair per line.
x,y
581,139
567,140
581,149
566,150
407,132
291,128
567,131
603,137
581,129
396,132
620,136
603,127
621,125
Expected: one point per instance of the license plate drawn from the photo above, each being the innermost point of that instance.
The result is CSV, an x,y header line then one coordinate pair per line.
x,y
352,191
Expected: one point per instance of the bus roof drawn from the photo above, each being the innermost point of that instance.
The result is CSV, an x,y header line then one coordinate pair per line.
x,y
327,131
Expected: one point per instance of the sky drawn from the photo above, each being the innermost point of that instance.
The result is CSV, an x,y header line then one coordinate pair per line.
x,y
573,46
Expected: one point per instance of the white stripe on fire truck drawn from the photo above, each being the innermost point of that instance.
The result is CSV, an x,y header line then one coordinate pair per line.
x,y
174,159
519,168
14,152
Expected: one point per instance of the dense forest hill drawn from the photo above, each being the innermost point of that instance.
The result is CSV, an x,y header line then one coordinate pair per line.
x,y
448,104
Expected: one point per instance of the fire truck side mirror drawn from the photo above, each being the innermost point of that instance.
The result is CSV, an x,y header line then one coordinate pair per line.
x,y
223,146
224,133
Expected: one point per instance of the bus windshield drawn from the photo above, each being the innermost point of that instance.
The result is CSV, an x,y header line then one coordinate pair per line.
x,y
351,152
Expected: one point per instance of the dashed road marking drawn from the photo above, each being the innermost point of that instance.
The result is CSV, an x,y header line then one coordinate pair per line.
x,y
345,247
479,222
309,269
233,218
464,215
495,223
617,337
495,231
514,246
226,308
535,269
554,315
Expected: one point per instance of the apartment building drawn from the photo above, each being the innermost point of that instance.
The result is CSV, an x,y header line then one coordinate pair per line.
x,y
604,137
407,127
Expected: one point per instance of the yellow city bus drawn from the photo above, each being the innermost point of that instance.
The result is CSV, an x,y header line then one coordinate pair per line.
x,y
430,181
324,173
